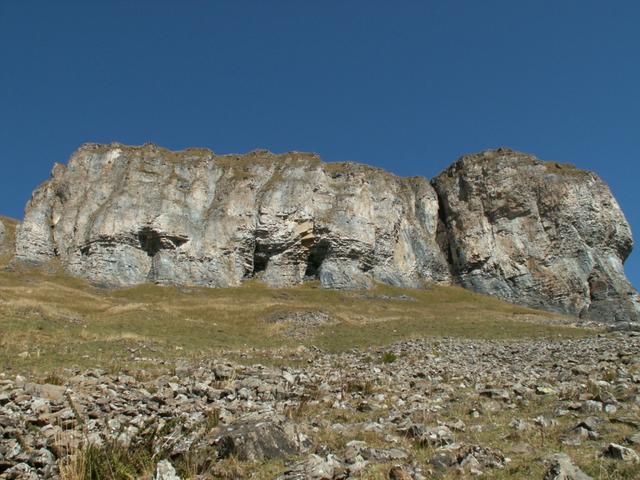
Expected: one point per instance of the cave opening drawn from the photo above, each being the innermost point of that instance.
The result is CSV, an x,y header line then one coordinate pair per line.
x,y
261,255
317,254
260,262
150,241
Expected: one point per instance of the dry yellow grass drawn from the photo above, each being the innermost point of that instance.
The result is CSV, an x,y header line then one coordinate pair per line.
x,y
50,320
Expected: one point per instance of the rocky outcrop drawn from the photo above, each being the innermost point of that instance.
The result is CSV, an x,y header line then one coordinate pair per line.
x,y
124,215
537,233
500,222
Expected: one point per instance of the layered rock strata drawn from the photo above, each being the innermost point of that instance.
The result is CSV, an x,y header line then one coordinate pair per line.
x,y
126,215
540,234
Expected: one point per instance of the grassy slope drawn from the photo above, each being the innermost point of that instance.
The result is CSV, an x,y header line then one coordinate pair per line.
x,y
49,320
10,231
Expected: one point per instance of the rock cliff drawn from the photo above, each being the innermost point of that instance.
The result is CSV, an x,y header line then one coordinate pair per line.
x,y
2,234
500,222
124,215
541,234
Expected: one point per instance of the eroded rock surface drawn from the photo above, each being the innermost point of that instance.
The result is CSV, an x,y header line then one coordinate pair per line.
x,y
562,468
125,215
537,233
425,417
2,235
259,438
540,234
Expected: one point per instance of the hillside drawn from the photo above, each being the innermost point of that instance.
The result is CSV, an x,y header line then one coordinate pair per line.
x,y
302,382
375,381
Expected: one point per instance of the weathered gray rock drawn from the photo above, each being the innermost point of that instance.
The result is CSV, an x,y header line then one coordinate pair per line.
x,y
165,471
314,467
21,471
121,215
537,233
634,439
191,415
258,439
499,222
561,467
619,452
398,473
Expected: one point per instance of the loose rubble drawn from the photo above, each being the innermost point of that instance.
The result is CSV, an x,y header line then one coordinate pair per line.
x,y
439,408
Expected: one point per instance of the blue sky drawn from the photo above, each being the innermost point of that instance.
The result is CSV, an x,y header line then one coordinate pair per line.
x,y
408,86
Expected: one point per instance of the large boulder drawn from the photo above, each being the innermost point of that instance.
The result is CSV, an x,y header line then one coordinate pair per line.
x,y
119,215
536,233
561,467
259,438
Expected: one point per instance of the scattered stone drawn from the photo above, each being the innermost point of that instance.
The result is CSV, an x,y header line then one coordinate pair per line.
x,y
216,408
618,452
634,439
496,394
165,471
301,324
561,467
258,439
398,473
316,467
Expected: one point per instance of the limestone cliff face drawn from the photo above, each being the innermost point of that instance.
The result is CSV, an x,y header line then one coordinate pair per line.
x,y
125,215
499,222
537,233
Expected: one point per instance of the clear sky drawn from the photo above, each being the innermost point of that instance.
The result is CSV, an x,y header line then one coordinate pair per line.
x,y
406,85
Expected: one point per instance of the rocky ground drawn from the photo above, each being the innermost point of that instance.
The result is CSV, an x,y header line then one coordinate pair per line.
x,y
428,408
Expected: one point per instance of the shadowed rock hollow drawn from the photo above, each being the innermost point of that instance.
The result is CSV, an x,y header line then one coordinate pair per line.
x,y
503,223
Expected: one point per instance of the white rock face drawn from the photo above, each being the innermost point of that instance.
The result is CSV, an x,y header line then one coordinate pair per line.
x,y
125,215
500,222
537,233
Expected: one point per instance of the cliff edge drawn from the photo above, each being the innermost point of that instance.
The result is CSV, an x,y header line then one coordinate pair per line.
x,y
541,234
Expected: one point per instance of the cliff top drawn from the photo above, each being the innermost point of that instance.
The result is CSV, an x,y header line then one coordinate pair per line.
x,y
506,154
241,160
230,160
